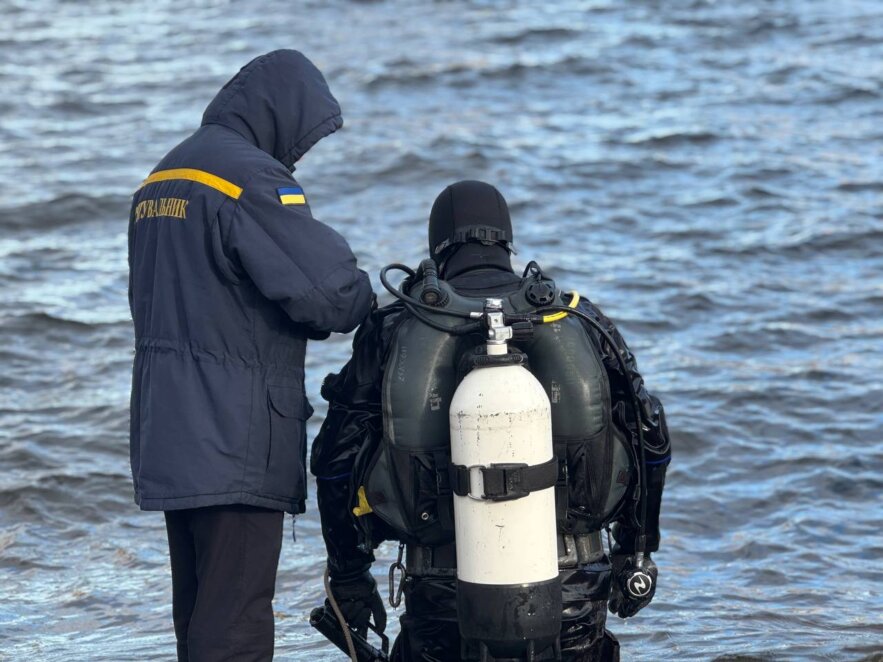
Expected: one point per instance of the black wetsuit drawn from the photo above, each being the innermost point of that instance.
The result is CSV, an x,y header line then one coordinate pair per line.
x,y
429,626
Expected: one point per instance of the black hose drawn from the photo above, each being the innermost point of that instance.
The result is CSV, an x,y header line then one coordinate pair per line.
x,y
414,306
398,294
636,405
459,330
533,269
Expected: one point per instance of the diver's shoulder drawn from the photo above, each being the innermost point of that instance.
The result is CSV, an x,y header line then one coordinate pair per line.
x,y
388,312
387,318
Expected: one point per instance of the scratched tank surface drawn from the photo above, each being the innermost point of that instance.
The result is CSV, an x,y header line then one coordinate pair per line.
x,y
710,173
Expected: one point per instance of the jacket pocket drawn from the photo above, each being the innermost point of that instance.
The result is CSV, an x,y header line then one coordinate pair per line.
x,y
285,474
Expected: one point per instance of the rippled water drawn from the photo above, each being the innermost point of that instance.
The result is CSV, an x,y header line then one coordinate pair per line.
x,y
710,173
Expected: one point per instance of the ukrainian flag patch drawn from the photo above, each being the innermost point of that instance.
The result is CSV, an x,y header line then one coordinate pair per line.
x,y
292,195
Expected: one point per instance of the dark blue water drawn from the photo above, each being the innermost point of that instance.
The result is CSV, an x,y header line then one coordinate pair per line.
x,y
710,173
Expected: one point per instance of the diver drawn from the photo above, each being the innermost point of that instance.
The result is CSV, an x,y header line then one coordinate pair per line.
x,y
383,462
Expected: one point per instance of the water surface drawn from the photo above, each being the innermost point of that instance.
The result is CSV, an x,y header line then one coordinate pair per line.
x,y
710,173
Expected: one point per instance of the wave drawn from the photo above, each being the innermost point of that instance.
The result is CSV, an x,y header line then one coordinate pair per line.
x,y
64,210
32,322
672,137
875,186
411,73
530,34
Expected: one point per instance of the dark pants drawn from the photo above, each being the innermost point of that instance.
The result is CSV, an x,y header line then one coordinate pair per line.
x,y
224,561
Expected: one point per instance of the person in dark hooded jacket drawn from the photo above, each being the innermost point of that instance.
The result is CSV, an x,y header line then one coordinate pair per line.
x,y
229,275
470,235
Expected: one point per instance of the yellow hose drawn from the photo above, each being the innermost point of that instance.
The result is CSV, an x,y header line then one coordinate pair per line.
x,y
554,317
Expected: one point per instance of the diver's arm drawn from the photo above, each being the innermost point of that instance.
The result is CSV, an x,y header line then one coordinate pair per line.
x,y
653,415
354,419
655,430
343,432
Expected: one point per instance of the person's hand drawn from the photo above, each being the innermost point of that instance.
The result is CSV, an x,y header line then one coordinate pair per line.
x,y
359,600
631,592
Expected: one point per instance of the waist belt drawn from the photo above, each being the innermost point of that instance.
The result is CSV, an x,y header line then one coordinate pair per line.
x,y
575,550
441,561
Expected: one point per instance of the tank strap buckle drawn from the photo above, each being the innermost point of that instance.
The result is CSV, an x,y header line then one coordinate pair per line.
x,y
504,481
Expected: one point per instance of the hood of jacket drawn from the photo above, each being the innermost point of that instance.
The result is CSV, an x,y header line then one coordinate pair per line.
x,y
280,103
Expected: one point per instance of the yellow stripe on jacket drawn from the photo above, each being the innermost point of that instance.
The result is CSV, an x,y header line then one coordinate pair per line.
x,y
199,176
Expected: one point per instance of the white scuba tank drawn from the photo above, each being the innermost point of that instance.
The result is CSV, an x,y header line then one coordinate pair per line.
x,y
508,591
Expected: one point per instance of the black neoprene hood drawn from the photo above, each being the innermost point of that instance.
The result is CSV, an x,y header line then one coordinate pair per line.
x,y
468,211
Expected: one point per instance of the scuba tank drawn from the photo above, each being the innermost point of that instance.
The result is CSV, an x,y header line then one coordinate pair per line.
x,y
503,473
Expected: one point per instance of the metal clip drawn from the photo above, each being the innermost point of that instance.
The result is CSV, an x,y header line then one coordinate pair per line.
x,y
395,594
476,482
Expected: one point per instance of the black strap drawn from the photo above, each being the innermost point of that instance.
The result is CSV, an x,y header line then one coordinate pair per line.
x,y
444,502
487,234
504,482
561,492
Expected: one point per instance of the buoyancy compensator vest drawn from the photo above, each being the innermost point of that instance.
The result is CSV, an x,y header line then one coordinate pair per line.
x,y
404,481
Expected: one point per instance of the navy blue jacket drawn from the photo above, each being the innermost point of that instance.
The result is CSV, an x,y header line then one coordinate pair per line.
x,y
229,274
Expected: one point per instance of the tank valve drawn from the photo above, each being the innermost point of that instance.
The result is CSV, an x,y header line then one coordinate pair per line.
x,y
498,332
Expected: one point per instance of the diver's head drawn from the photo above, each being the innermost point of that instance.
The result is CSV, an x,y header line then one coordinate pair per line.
x,y
469,228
